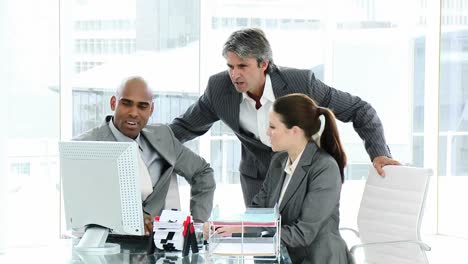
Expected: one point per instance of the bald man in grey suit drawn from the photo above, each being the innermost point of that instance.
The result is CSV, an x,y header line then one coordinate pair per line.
x,y
241,98
161,152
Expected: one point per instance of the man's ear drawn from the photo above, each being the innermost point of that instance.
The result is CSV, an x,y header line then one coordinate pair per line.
x,y
152,107
264,65
113,102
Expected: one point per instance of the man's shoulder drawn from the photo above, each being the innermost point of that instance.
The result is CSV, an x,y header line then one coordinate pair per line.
x,y
298,80
156,127
220,75
288,71
220,79
219,84
157,130
97,133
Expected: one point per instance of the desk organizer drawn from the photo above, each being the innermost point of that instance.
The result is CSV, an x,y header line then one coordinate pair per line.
x,y
260,239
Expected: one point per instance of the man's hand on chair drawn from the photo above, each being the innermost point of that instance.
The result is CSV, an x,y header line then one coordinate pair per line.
x,y
381,161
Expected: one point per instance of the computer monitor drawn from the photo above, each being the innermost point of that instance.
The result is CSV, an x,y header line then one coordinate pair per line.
x,y
101,192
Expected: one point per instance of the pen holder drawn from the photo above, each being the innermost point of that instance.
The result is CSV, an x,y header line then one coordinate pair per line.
x,y
190,240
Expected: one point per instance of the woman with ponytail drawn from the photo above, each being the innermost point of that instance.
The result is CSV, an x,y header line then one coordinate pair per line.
x,y
305,179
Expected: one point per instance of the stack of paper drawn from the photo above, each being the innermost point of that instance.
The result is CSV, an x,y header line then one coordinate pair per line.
x,y
263,217
168,230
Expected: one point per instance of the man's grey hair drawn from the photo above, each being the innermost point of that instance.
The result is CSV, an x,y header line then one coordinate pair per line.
x,y
132,79
250,43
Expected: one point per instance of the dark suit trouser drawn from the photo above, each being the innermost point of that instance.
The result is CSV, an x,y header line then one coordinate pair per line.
x,y
250,188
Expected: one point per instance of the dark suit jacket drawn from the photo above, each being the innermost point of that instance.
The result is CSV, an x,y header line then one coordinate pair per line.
x,y
310,206
180,160
221,101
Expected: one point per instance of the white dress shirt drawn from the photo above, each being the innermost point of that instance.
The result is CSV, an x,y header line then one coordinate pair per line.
x,y
257,121
289,170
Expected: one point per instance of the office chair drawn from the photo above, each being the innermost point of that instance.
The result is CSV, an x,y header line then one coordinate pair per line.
x,y
390,215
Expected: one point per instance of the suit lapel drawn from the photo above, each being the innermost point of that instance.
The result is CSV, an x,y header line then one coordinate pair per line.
x,y
162,148
278,84
299,174
159,145
278,175
231,103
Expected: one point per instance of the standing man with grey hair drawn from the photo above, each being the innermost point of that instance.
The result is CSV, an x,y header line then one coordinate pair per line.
x,y
162,155
241,97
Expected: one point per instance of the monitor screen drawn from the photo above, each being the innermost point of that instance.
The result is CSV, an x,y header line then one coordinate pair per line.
x,y
100,184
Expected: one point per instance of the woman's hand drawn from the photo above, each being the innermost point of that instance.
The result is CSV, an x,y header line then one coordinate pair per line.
x,y
227,231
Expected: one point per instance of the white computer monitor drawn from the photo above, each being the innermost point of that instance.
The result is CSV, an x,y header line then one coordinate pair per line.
x,y
101,191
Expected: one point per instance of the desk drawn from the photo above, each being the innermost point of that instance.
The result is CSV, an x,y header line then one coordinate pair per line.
x,y
60,252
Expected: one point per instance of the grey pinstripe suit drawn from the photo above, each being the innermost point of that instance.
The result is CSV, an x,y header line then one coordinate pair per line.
x,y
221,101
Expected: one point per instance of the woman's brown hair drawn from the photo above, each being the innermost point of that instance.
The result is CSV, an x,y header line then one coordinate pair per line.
x,y
300,110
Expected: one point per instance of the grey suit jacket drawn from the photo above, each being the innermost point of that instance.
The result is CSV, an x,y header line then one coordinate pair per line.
x,y
180,160
310,206
221,101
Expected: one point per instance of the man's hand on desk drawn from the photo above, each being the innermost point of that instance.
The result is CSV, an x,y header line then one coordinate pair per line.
x,y
148,220
381,161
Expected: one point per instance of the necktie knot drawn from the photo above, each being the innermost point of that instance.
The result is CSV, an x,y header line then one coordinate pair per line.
x,y
258,104
256,99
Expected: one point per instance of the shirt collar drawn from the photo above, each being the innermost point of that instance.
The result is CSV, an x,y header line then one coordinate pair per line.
x,y
120,136
290,168
267,92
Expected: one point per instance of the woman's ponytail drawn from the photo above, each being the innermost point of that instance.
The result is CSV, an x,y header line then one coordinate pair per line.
x,y
330,140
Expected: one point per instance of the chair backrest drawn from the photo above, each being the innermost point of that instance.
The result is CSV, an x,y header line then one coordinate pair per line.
x,y
392,209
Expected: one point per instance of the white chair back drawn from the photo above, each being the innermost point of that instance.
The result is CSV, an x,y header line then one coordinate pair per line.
x,y
391,210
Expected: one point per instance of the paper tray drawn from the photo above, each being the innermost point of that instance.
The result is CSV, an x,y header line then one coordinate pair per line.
x,y
243,249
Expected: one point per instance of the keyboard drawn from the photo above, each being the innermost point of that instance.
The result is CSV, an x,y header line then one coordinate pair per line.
x,y
114,238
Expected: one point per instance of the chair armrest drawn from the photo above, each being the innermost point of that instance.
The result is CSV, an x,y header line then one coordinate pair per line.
x,y
354,231
423,245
